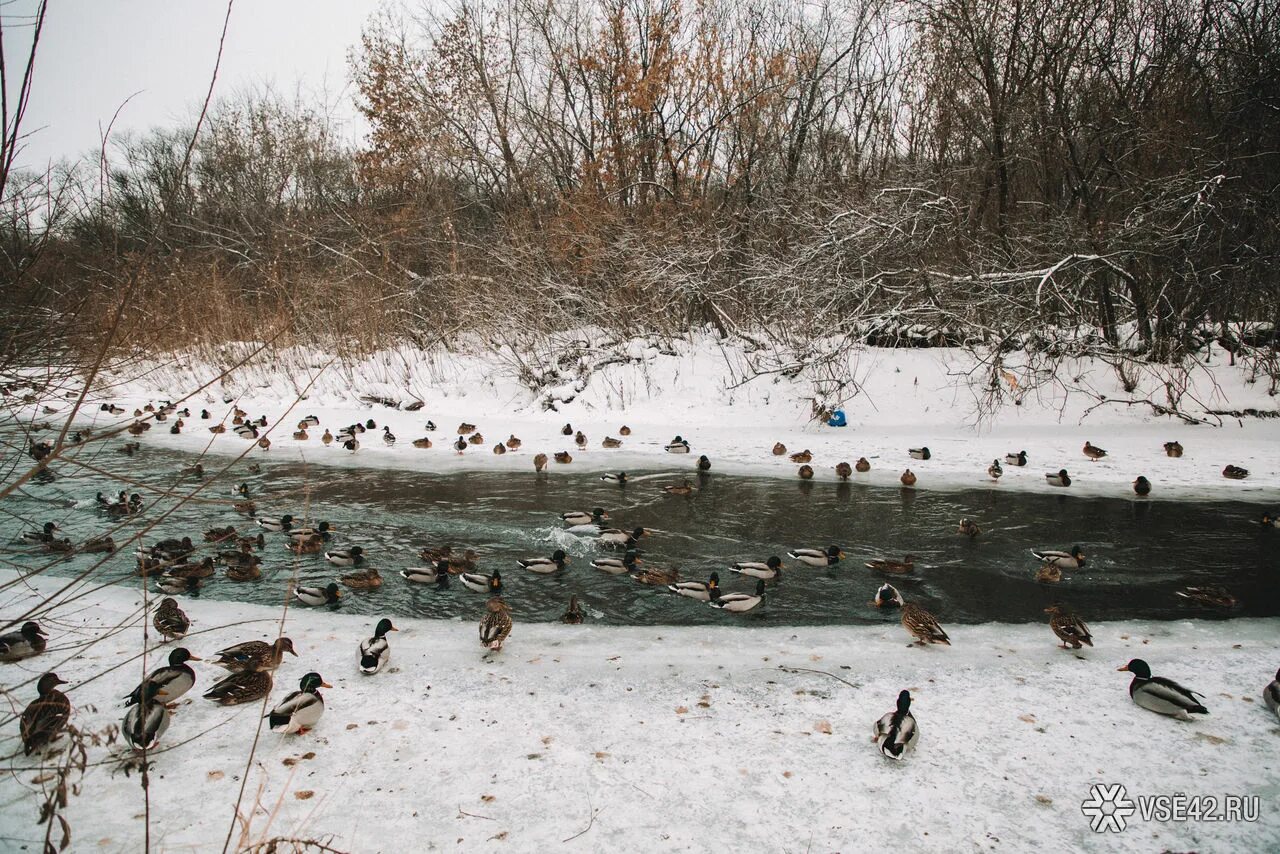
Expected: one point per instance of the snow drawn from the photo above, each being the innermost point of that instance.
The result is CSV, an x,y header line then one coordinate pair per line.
x,y
663,738
703,390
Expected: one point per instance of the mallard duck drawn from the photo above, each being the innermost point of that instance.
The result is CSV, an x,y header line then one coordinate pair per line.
x,y
1059,479
170,682
217,535
907,564
737,603
624,430
148,566
465,562
817,557
28,641
923,625
478,582
994,471
63,546
327,595
327,438
1160,695
44,535
172,548
1217,596
248,544
242,566
887,596
620,478
147,720
248,508
843,470
908,478
685,488
771,569
300,710
1069,628
896,732
513,442
919,453
699,590
204,414
254,655
371,424
308,421
353,556
103,543
806,472
424,443
46,717
245,431
802,457
678,445
203,569
352,445
215,429
1018,459
617,566
437,575
704,464
243,687
499,449
566,430
969,528
433,555
1270,519
311,545
495,625
301,435
1142,486
282,523
375,652
1049,574
196,470
563,457
1235,473
539,462
170,620
611,443
475,439
1173,449
1271,695
573,616
460,446
369,579
657,576
175,586
579,517
388,437
1093,452
1073,559
465,428
545,565
137,428
580,439
112,408
779,449
862,466
618,537
321,530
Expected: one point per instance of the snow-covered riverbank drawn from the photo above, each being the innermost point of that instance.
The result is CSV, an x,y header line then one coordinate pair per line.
x,y
664,738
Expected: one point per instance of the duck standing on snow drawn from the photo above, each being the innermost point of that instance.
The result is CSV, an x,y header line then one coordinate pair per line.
x,y
327,595
1271,695
353,556
47,715
703,591
238,688
1235,473
887,597
495,625
1142,486
375,652
513,442
146,721
254,655
804,456
170,682
579,517
545,565
919,453
539,462
704,464
908,478
170,620
817,557
806,472
573,616
1060,479
300,710
897,732
769,570
843,471
581,440
1160,695
563,457
610,443
923,625
1073,559
327,438
1019,459
738,603
779,449
994,471
24,643
388,437
1173,449
677,446
1069,628
862,466
1093,452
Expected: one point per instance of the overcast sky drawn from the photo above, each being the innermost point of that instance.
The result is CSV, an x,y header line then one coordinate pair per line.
x,y
94,54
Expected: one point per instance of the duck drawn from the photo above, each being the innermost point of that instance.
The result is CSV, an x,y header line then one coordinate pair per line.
x,y
433,555
704,463
685,488
170,682
245,431
908,478
174,586
617,566
254,655
217,535
802,457
203,569
563,457
994,471
327,595
539,462
103,543
579,517
624,430
112,408
1173,449
375,652
369,579
862,466
1060,479
44,535
495,625
371,424
699,590
388,437
896,732
1073,559
657,576
216,429
1069,628
919,453
1160,695
1270,519
1142,486
843,470
322,530
300,710
580,439
275,524
817,557
513,442
806,472
44,719
779,449
327,438
27,642
301,435
611,443
311,545
1235,473
137,428
770,570
545,565
437,574
573,616
620,478
353,556
887,596
1271,695
1217,596
248,508
308,421
465,428
738,603
465,562
1093,452
1018,459
196,470
146,721
352,445
423,443
478,582
969,528
907,564
170,620
566,430
923,625
243,687
678,445
248,544
204,414
1049,574
618,537
499,449
475,439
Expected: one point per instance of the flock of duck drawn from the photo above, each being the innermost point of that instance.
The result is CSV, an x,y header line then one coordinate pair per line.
x,y
251,664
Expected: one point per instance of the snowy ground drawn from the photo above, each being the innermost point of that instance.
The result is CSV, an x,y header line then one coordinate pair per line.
x,y
702,391
661,739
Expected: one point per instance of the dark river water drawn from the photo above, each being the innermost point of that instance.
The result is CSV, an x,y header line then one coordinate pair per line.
x,y
1138,552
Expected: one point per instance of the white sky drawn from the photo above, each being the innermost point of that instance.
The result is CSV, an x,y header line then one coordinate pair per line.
x,y
94,54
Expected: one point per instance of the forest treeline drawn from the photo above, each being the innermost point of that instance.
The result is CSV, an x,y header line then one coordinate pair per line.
x,y
1002,171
